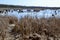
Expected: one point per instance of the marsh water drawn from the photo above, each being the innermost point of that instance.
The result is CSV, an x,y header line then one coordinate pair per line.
x,y
42,13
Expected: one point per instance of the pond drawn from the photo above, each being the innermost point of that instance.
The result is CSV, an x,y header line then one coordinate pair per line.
x,y
42,13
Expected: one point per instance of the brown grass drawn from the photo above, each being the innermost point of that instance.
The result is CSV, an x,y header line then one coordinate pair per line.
x,y
31,25
28,26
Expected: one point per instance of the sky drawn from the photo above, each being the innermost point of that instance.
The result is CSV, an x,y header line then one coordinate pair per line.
x,y
48,3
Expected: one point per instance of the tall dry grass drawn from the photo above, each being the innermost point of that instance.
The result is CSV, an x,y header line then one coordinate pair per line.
x,y
5,21
41,26
28,26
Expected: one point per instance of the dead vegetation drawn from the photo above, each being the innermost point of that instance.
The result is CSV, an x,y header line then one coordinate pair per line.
x,y
29,28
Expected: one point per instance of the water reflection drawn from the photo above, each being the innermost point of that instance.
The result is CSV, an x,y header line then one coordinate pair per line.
x,y
42,13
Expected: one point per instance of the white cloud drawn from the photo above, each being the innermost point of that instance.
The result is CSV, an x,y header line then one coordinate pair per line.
x,y
51,3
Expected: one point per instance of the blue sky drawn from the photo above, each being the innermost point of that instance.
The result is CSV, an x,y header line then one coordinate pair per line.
x,y
50,3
